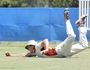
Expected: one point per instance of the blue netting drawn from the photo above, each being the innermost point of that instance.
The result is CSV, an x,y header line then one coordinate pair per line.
x,y
20,24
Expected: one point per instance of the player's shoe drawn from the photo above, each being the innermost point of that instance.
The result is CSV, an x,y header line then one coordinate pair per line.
x,y
81,20
66,14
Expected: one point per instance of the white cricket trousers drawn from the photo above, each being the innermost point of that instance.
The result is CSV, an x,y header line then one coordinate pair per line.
x,y
67,48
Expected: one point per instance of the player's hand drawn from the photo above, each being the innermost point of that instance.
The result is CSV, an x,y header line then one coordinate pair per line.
x,y
7,54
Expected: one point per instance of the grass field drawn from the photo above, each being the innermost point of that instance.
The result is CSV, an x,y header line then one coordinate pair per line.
x,y
80,61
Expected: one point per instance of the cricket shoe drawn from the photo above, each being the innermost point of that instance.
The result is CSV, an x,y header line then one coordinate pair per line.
x,y
66,14
81,20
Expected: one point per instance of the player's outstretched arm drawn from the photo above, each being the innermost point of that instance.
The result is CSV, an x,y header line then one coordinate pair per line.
x,y
27,54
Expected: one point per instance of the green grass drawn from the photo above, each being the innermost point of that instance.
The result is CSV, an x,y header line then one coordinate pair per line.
x,y
79,61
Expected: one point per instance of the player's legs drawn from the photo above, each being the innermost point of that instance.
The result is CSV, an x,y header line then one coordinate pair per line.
x,y
64,48
83,43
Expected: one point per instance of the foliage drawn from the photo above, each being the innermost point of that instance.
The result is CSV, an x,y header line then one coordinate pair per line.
x,y
39,3
13,3
63,3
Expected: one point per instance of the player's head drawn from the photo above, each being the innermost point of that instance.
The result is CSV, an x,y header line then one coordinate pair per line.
x,y
31,45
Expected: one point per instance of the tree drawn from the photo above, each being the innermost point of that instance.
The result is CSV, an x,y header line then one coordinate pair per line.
x,y
60,3
13,3
39,3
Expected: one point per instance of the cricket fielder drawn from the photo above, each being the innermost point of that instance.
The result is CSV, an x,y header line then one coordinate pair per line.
x,y
64,49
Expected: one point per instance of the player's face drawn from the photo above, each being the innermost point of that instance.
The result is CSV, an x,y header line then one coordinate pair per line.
x,y
31,48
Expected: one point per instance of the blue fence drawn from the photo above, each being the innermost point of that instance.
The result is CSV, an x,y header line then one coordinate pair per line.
x,y
22,24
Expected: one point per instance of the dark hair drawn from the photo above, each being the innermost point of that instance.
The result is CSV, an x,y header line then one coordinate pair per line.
x,y
26,47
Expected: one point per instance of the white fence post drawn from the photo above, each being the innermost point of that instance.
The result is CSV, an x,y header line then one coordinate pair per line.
x,y
84,9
